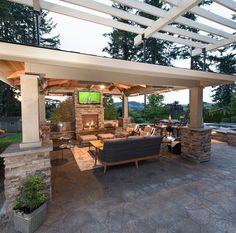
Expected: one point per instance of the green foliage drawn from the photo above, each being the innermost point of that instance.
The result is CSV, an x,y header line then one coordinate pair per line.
x,y
64,112
155,109
8,140
31,194
50,106
17,25
9,104
110,112
121,44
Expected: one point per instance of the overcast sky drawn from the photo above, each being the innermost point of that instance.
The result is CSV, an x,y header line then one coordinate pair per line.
x,y
86,37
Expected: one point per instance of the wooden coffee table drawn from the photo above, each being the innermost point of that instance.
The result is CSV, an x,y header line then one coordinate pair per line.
x,y
98,145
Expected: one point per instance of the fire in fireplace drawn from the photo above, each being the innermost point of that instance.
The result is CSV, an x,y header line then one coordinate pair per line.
x,y
90,121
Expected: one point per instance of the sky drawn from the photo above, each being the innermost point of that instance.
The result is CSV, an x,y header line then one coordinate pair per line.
x,y
86,37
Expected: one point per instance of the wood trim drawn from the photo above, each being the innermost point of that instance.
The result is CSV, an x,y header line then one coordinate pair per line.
x,y
135,160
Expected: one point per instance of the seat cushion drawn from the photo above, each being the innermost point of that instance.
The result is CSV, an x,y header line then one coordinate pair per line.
x,y
87,138
106,136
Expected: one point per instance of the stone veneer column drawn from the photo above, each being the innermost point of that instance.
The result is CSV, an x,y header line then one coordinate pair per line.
x,y
20,163
196,140
196,144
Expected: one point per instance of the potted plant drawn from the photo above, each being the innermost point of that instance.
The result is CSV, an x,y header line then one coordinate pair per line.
x,y
30,206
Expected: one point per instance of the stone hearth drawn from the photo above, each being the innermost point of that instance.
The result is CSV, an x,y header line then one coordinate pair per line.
x,y
85,114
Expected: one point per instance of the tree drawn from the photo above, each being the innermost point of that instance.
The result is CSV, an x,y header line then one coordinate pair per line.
x,y
110,112
17,26
226,63
121,43
158,51
64,112
155,109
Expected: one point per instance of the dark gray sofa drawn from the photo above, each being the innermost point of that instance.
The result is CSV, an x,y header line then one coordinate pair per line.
x,y
132,149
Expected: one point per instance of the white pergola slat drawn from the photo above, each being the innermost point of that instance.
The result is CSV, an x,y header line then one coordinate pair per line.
x,y
93,5
227,3
212,47
169,17
152,10
150,28
207,14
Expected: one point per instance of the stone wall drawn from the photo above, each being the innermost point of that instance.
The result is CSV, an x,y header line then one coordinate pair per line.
x,y
124,122
231,138
196,144
21,163
45,132
225,136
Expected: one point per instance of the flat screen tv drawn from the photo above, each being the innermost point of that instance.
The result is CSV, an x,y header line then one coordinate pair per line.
x,y
89,97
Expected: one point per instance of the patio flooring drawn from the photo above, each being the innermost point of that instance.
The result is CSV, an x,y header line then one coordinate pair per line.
x,y
170,195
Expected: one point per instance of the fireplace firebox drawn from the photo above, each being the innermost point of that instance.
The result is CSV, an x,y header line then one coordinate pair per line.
x,y
90,121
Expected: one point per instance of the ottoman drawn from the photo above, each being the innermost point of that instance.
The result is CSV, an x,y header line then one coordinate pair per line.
x,y
104,136
85,139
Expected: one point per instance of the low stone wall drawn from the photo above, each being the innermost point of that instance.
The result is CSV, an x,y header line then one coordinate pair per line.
x,y
231,138
20,163
196,144
225,136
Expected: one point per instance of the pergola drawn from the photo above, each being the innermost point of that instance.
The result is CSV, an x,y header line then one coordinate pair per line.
x,y
22,66
66,71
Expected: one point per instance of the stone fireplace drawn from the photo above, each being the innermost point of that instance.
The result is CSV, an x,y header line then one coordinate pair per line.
x,y
88,117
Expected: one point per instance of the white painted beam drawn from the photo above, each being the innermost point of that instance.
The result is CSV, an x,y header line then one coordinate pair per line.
x,y
177,40
227,3
119,25
207,14
211,47
152,10
138,19
169,17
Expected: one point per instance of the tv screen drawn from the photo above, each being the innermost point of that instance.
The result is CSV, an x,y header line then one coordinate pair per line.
x,y
89,97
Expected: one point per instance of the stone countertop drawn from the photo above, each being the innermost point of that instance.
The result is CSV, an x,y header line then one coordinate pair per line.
x,y
14,150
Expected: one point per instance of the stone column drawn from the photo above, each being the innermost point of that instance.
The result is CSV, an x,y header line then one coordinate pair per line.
x,y
195,139
30,111
42,110
125,106
196,107
125,119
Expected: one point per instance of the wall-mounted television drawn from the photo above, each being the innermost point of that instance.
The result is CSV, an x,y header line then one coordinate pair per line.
x,y
89,97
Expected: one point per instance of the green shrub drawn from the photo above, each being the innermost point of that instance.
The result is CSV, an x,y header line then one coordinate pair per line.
x,y
31,194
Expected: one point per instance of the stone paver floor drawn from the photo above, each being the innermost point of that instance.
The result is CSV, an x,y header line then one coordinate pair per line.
x,y
170,195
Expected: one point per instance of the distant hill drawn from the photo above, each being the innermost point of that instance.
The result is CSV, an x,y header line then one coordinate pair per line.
x,y
139,106
132,105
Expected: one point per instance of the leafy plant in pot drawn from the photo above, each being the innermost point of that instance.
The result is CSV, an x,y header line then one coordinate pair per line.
x,y
30,205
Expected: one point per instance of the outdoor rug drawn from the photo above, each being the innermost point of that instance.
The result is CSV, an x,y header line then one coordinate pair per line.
x,y
85,158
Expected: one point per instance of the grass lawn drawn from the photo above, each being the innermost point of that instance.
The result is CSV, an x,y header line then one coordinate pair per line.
x,y
8,140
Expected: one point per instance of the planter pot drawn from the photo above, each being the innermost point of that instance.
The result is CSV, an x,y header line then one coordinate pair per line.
x,y
28,223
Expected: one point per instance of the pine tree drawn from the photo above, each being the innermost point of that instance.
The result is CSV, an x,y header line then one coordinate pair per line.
x,y
226,64
17,25
121,43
